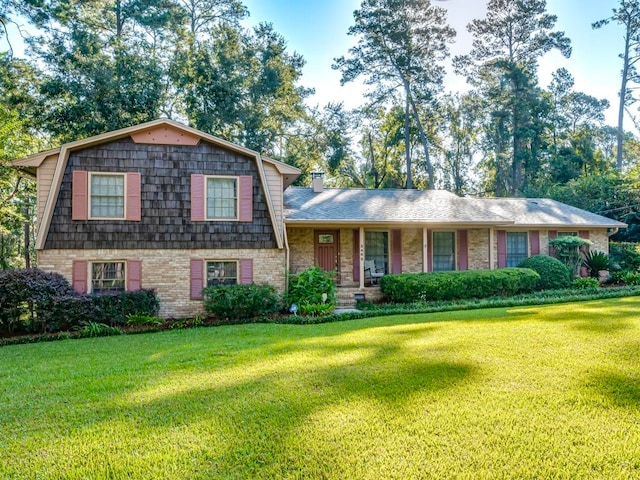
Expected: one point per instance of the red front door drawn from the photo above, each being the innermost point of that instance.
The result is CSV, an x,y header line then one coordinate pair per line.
x,y
327,250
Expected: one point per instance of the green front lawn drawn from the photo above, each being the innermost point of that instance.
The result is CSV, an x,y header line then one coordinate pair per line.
x,y
528,392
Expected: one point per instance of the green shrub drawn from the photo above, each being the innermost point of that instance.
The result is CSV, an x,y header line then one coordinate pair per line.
x,y
113,307
412,287
138,319
567,249
95,329
71,311
624,256
312,287
585,283
315,309
26,297
631,278
553,273
595,262
230,302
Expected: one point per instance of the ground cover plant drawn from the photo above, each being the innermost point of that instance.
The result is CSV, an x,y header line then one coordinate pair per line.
x,y
527,392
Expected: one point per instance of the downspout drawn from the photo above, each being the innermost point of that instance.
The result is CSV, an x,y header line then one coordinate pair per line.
x,y
613,231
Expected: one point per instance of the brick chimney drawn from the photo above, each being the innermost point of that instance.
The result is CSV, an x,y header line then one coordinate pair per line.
x,y
317,180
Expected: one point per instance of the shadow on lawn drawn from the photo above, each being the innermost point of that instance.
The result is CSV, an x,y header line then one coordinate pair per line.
x,y
248,419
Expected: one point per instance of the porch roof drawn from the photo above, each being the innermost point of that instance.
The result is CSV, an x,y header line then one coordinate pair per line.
x,y
359,205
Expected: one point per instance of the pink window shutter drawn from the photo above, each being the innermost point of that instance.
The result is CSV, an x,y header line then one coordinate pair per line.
x,y
356,255
134,200
552,234
396,251
585,235
463,256
197,198
134,275
502,248
79,195
197,278
429,250
79,276
246,198
534,242
246,270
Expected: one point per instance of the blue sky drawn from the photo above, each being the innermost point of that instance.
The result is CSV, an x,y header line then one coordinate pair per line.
x,y
317,29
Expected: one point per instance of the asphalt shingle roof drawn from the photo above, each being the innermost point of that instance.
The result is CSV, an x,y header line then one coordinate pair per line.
x,y
544,211
355,205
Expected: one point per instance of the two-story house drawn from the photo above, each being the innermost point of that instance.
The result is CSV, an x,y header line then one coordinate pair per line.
x,y
164,206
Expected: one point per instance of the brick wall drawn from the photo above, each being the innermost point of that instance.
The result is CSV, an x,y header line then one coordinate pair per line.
x,y
478,248
412,251
301,253
168,271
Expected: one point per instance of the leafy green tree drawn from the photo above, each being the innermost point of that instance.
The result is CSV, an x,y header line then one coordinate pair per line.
x,y
502,67
17,139
627,15
400,49
460,123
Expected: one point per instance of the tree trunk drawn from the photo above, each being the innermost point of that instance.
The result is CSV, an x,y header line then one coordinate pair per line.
x,y
407,140
423,137
623,91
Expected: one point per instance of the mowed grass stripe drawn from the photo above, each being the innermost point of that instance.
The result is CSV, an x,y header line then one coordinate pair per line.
x,y
531,392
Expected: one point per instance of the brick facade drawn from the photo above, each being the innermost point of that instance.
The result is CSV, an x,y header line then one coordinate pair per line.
x,y
479,245
168,271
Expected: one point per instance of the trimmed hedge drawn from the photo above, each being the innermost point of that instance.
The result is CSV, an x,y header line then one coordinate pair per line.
x,y
25,297
413,287
34,301
241,301
554,274
71,311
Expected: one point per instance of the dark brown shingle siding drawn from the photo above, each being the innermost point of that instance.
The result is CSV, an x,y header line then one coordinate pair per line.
x,y
166,172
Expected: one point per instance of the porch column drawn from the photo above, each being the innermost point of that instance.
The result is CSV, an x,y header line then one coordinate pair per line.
x,y
361,253
425,249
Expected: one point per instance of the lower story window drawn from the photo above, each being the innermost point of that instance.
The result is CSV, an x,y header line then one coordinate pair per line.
x,y
376,247
516,248
107,277
444,251
222,273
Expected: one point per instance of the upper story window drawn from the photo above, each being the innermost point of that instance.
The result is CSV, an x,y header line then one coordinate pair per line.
x,y
107,193
222,197
217,197
516,248
444,251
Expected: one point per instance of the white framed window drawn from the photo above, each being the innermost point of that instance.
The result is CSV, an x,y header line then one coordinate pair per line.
x,y
567,234
444,251
376,252
108,276
107,195
517,248
222,272
222,198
